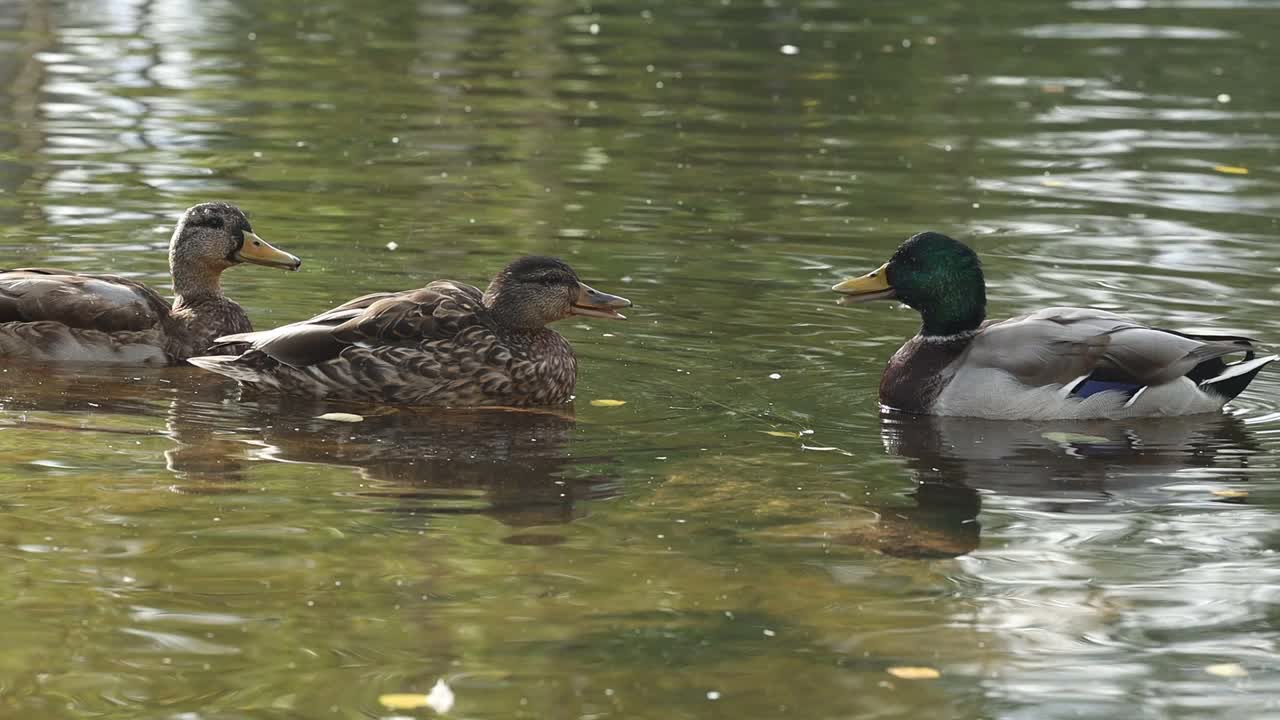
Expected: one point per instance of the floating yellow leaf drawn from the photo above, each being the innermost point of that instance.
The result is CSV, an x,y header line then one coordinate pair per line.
x,y
914,673
1231,493
1227,670
1052,183
1231,169
341,417
403,701
608,403
781,433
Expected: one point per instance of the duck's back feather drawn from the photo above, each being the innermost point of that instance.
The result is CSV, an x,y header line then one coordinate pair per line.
x,y
438,311
1059,345
1078,362
107,303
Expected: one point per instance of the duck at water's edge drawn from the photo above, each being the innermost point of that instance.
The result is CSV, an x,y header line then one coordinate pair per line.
x,y
1059,362
445,344
49,315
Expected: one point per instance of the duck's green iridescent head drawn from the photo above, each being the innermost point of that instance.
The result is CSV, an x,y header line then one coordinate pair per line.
x,y
938,276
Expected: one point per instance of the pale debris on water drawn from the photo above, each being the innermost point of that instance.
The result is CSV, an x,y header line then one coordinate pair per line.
x,y
789,50
1231,169
1233,670
341,417
1070,437
775,376
914,673
439,699
393,245
605,402
1231,493
781,433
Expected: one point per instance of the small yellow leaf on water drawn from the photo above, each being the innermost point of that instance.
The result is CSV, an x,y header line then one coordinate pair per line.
x,y
1227,670
781,433
341,417
608,403
914,673
1231,169
1052,183
1231,493
403,701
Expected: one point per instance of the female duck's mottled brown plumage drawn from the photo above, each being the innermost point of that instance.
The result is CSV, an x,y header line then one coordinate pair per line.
x,y
445,344
50,315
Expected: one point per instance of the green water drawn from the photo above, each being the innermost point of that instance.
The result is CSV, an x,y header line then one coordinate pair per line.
x,y
172,551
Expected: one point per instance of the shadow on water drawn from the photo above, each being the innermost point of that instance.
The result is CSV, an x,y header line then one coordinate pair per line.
x,y
513,465
1063,466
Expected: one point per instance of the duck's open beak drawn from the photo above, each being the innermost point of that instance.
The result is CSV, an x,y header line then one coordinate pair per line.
x,y
259,252
593,303
872,286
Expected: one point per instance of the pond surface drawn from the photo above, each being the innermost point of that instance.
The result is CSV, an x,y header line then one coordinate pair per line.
x,y
746,537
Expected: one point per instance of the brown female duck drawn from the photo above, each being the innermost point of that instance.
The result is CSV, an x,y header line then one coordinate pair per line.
x,y
445,344
50,315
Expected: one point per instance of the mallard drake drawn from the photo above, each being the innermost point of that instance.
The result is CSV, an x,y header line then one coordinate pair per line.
x,y
50,315
1060,362
445,344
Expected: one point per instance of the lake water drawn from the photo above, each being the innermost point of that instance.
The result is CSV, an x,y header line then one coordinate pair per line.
x,y
747,537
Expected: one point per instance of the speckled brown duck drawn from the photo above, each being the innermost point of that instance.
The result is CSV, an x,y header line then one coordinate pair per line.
x,y
50,315
445,344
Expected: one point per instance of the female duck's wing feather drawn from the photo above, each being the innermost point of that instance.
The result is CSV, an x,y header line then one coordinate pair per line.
x,y
1062,345
438,311
108,303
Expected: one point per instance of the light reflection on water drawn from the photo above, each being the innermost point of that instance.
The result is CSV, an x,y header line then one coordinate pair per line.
x,y
175,549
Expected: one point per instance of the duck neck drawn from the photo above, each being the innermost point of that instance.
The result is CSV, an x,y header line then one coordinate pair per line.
x,y
193,286
957,313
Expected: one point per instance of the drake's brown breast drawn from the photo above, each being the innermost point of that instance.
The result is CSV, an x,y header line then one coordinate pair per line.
x,y
918,372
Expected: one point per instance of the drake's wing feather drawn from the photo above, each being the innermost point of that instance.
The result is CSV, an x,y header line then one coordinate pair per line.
x,y
109,303
439,310
1059,345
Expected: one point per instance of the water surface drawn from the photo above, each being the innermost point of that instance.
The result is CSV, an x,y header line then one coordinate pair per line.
x,y
747,536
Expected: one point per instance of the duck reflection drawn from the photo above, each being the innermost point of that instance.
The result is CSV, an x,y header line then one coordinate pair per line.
x,y
1060,466
510,464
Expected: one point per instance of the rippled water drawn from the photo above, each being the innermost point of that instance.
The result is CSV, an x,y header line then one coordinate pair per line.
x,y
746,537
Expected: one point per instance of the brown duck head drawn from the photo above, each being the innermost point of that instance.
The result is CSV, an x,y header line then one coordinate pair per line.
x,y
534,291
211,237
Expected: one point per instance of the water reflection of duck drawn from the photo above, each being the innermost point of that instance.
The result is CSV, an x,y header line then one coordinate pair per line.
x,y
513,465
1067,465
510,464
50,315
1058,362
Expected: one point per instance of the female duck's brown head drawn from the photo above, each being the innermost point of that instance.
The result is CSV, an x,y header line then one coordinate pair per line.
x,y
534,291
212,237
